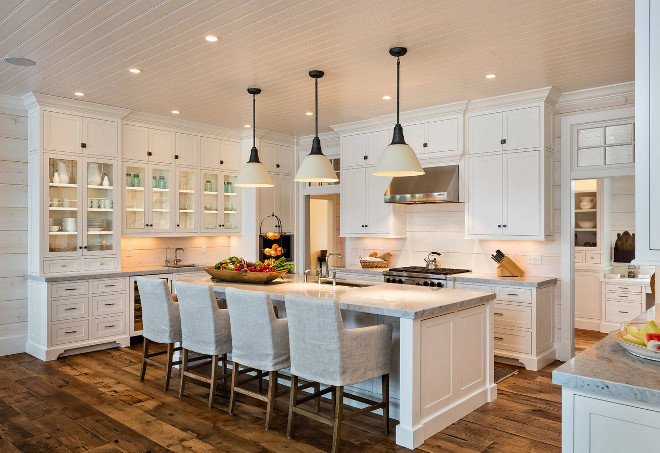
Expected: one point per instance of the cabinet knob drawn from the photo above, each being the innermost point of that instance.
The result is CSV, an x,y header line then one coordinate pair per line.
x,y
80,247
176,156
177,225
499,226
277,165
503,226
364,157
83,145
425,145
149,153
85,247
222,162
503,141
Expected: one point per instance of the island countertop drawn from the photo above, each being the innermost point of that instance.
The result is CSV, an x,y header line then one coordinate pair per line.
x,y
387,299
607,369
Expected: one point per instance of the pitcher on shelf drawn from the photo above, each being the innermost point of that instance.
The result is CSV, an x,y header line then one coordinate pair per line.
x,y
94,176
64,170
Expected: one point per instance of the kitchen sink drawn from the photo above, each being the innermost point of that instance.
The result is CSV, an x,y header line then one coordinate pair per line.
x,y
181,265
348,284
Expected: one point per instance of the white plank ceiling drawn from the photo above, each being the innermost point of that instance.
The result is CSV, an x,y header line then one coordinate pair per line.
x,y
89,45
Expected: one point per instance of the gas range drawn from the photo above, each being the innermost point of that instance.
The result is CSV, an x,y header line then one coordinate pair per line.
x,y
420,275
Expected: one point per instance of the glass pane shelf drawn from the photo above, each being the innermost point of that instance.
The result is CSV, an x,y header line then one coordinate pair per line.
x,y
135,188
62,233
186,210
230,212
210,212
586,229
586,210
231,193
91,186
186,191
59,184
210,193
99,210
159,210
135,210
155,189
99,232
57,208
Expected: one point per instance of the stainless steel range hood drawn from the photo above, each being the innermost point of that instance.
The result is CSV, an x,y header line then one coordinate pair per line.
x,y
436,185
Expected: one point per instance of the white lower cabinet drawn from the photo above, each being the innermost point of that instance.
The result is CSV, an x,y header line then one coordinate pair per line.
x,y
522,323
588,298
65,316
621,301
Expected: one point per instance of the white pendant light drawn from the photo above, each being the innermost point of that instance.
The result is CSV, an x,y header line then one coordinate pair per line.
x,y
316,167
398,159
254,173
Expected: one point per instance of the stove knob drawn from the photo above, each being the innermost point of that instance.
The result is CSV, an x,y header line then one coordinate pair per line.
x,y
440,285
432,283
400,280
418,284
426,283
388,280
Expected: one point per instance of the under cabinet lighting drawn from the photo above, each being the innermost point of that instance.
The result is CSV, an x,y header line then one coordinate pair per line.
x,y
135,70
247,125
387,98
491,76
79,93
309,113
176,112
211,38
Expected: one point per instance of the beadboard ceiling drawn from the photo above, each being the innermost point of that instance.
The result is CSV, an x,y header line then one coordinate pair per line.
x,y
85,45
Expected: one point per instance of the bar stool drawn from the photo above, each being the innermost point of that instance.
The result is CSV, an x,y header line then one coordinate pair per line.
x,y
322,350
160,323
205,330
260,342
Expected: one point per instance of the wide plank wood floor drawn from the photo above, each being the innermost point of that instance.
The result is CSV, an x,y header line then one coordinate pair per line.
x,y
95,402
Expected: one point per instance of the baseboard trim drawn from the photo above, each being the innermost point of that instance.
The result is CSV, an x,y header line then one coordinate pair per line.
x,y
12,345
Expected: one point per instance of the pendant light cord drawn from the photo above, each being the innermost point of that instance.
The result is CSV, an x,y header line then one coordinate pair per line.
x,y
398,78
254,120
316,102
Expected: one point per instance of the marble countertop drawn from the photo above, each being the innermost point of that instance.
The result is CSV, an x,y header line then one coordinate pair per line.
x,y
124,272
607,369
643,281
533,282
387,299
359,270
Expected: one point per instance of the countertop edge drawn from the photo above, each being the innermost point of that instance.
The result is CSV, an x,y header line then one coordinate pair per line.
x,y
506,281
110,274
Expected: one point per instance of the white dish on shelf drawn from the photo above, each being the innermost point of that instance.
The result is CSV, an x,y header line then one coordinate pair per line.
x,y
586,223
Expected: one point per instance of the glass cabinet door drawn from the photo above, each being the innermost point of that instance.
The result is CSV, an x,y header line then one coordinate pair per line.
x,y
63,200
186,185
135,198
211,201
161,200
230,202
99,207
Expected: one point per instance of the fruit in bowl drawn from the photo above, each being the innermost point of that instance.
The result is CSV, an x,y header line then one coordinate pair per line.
x,y
648,336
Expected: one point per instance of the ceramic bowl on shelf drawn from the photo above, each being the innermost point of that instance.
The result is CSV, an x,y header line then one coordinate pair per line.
x,y
54,228
586,223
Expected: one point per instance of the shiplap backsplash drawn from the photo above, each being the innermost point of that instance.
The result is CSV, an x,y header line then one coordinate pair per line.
x,y
151,251
13,231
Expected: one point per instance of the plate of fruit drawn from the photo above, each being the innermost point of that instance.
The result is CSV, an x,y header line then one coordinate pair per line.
x,y
236,269
642,342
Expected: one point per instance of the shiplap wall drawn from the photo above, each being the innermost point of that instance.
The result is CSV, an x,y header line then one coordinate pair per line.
x,y
151,251
13,230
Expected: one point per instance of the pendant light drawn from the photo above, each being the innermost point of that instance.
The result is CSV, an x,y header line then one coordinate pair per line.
x,y
398,159
254,173
316,167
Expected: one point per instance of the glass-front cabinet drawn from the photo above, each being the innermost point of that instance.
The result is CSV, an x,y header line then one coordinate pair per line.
x,y
135,198
220,202
161,199
186,201
80,206
231,203
148,200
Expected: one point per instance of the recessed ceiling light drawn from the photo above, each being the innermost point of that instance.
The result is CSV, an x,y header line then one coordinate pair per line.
x,y
491,76
309,113
176,112
79,93
387,98
246,125
211,38
19,61
135,70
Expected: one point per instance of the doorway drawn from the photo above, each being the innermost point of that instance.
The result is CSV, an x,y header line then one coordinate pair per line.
x,y
325,244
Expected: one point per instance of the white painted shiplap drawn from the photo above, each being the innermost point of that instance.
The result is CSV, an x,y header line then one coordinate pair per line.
x,y
13,230
151,251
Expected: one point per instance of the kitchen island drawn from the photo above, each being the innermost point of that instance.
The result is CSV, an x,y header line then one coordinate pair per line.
x,y
610,398
442,346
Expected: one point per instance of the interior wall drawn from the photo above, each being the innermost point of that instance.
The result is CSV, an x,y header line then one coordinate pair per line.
x,y
151,251
13,230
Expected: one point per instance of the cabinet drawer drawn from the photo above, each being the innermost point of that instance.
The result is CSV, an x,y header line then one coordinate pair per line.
x,y
69,308
61,266
473,286
621,311
623,288
107,327
69,332
592,257
100,264
111,285
579,257
513,315
109,304
513,341
625,297
67,289
514,294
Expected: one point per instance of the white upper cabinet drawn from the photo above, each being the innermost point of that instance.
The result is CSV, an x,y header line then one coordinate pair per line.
x,y
378,212
277,158
187,150
484,211
161,146
353,150
100,138
415,136
231,155
433,138
523,194
353,199
485,133
62,132
211,152
522,129
135,143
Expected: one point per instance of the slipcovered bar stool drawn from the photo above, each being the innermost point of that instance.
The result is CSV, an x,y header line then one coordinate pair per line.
x,y
260,342
160,323
322,350
205,330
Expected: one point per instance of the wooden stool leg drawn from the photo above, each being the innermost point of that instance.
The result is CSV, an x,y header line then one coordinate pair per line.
x,y
277,384
184,368
386,400
145,354
260,381
334,399
339,415
317,400
234,383
168,374
214,379
270,407
293,396
224,368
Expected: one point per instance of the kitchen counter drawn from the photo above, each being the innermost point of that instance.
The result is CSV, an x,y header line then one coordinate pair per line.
x,y
642,281
359,270
493,279
124,272
387,299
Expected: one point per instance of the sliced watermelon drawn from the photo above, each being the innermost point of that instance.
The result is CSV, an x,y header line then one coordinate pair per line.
x,y
635,340
651,336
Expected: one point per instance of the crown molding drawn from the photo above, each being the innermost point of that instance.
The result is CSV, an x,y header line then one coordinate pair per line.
x,y
180,125
40,100
407,117
549,95
604,93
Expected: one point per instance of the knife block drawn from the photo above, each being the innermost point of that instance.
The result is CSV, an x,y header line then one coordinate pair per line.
x,y
507,268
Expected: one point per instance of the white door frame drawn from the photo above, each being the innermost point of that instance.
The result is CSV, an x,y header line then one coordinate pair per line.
x,y
566,345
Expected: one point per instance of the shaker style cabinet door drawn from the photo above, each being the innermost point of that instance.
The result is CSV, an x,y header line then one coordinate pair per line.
x,y
485,195
187,150
442,136
378,212
211,152
135,143
588,294
353,193
100,138
231,156
62,132
415,136
376,144
283,159
522,129
353,151
161,146
485,133
522,176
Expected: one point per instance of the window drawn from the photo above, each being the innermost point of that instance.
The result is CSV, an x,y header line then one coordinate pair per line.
x,y
609,144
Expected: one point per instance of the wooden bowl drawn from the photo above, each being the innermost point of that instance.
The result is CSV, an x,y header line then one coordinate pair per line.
x,y
242,276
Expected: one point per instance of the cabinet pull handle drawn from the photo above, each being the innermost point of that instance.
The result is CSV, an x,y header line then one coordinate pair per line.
x,y
80,247
107,327
624,312
110,304
176,156
149,153
110,286
498,338
70,308
62,265
503,141
498,314
69,289
83,145
512,294
222,162
277,165
425,145
70,331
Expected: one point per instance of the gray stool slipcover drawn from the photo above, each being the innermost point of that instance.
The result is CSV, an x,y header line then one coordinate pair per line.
x,y
160,322
260,342
322,350
205,330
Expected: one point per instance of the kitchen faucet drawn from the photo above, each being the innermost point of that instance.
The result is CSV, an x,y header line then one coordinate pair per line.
x,y
167,260
324,269
177,260
333,279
